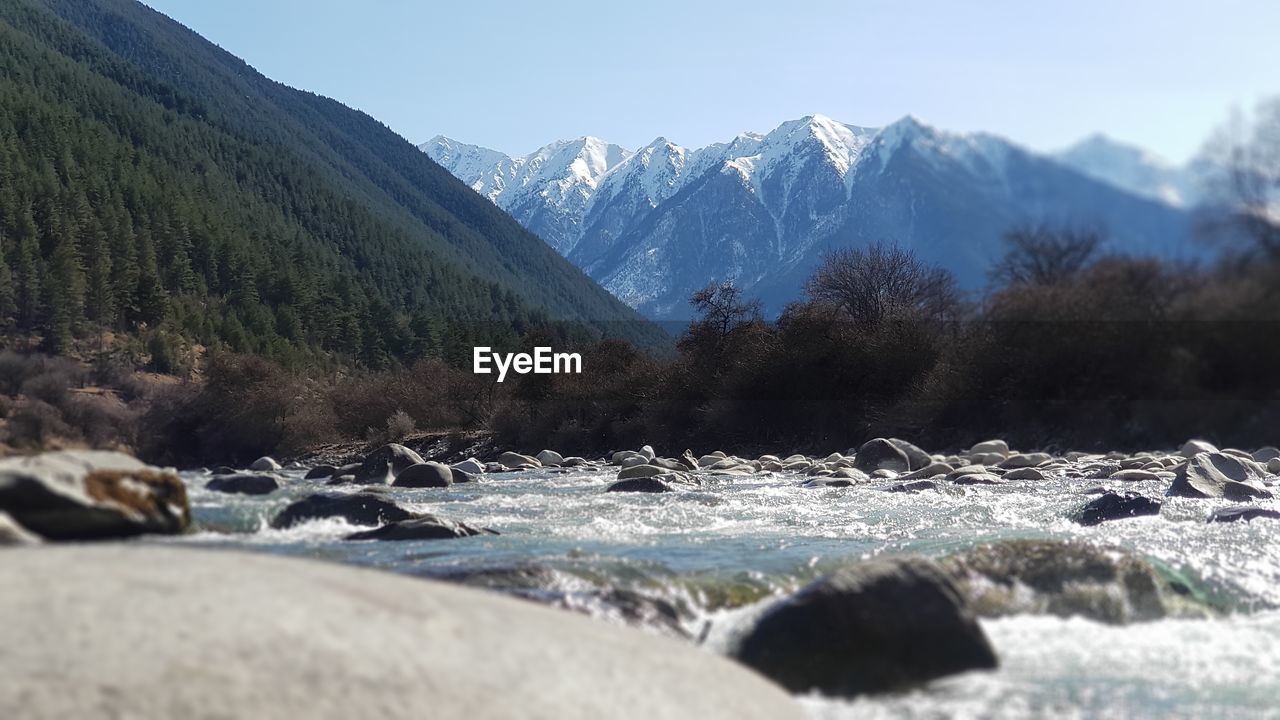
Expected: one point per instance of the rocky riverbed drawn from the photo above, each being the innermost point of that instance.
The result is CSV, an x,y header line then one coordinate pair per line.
x,y
882,580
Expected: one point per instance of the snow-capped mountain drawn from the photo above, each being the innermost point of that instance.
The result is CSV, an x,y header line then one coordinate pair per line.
x,y
656,224
1133,169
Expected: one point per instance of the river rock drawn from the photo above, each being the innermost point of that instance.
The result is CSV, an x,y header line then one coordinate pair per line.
x,y
92,495
1218,475
648,453
933,469
1057,577
876,626
1265,455
828,482
1134,475
983,478
358,509
426,475
516,461
384,464
1116,506
1273,466
1191,448
319,472
461,476
914,486
244,484
1024,460
880,453
573,461
11,533
471,466
1243,512
550,458
426,527
650,484
265,464
277,637
641,471
1024,473
916,457
990,447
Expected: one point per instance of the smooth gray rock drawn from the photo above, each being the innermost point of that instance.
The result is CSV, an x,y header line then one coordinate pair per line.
x,y
426,475
1116,506
427,527
265,464
916,457
514,460
550,458
383,465
471,466
1064,578
641,471
990,447
1191,448
1243,512
1266,454
877,626
154,633
92,495
881,454
912,486
1219,475
357,509
244,484
648,484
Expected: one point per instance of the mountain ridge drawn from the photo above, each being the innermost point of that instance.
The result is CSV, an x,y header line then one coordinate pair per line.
x,y
767,205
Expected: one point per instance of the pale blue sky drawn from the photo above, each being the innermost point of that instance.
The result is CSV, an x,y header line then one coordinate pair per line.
x,y
515,75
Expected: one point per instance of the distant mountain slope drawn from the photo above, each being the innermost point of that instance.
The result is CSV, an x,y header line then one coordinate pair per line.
x,y
1132,169
150,178
762,209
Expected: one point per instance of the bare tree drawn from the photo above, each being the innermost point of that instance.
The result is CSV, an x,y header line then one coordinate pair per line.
x,y
723,308
881,282
1241,162
1040,255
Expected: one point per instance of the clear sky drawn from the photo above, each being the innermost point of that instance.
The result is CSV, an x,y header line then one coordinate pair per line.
x,y
515,75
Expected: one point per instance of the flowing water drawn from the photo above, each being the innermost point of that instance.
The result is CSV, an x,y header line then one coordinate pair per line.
x,y
736,540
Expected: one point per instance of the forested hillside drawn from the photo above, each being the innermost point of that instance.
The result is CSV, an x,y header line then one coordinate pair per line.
x,y
154,184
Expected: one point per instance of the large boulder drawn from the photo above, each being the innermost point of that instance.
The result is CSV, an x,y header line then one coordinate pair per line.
x,y
92,495
1115,506
872,627
1219,475
153,633
1060,577
383,465
426,475
426,527
357,509
881,454
11,533
244,484
1266,454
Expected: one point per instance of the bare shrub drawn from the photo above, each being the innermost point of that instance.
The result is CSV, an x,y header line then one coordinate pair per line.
x,y
35,423
881,282
1041,255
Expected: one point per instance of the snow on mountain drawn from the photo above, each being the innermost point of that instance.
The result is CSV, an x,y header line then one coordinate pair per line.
x,y
655,224
1131,168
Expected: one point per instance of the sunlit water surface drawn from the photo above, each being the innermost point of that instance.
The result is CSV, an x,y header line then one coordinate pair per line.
x,y
738,539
